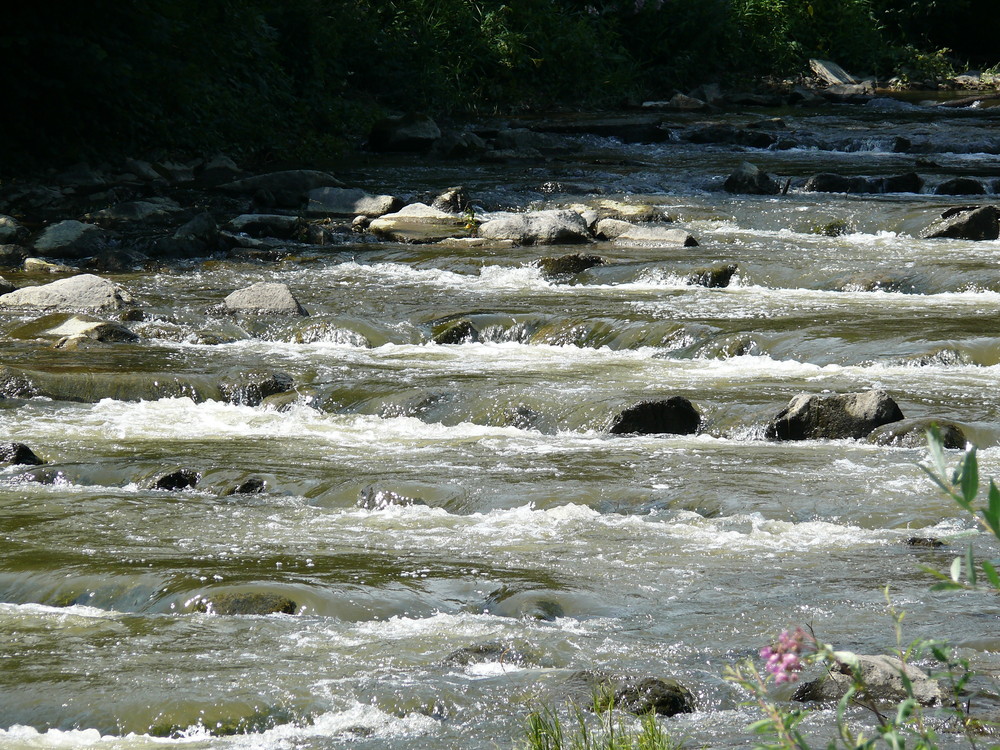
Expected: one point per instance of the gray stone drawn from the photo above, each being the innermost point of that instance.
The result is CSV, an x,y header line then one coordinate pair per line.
x,y
831,73
69,239
84,292
912,433
750,180
145,211
334,201
624,232
11,230
833,417
61,326
454,200
250,486
264,297
405,133
12,256
418,223
5,286
672,416
537,228
975,223
881,677
201,227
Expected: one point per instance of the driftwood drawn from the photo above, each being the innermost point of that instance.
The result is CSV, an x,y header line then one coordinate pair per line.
x,y
970,100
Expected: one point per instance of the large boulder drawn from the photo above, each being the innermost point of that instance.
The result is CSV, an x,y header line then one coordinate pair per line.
x,y
882,677
334,201
623,232
18,454
410,132
264,297
961,186
912,433
84,292
11,230
833,417
966,223
750,180
553,227
672,416
828,182
419,223
12,255
69,239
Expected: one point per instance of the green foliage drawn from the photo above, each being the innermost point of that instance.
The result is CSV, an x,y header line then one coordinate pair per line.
x,y
601,729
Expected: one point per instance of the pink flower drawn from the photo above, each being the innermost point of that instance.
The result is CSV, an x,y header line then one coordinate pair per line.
x,y
782,659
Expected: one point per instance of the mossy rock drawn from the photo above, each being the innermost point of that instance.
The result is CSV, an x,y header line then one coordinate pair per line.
x,y
246,603
715,277
912,433
568,265
456,332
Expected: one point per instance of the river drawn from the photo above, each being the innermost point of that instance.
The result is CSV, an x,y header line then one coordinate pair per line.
x,y
532,527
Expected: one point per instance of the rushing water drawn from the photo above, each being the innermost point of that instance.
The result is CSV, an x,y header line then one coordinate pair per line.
x,y
575,549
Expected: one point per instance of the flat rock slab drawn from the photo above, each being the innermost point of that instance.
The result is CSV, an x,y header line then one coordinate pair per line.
x,y
624,232
334,201
61,325
69,239
537,228
84,292
420,223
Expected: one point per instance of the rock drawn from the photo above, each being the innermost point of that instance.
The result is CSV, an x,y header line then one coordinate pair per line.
x,y
805,97
251,486
553,227
975,223
568,265
524,140
624,232
673,416
201,227
143,170
411,132
84,292
912,433
831,73
279,226
961,186
654,695
882,679
253,387
69,239
145,211
182,479
749,180
419,223
715,277
720,133
6,287
710,93
454,200
686,103
219,169
373,498
493,651
246,603
11,230
264,297
462,243
174,172
334,201
636,213
60,326
629,129
18,454
288,188
827,182
924,541
850,91
910,182
456,332
833,417
37,265
455,144
12,256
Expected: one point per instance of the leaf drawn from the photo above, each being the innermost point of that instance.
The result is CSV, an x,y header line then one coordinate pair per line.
x,y
947,586
970,564
956,569
992,512
936,446
970,476
991,574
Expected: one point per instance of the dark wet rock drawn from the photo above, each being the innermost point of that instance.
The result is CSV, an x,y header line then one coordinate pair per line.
x,y
524,603
18,454
142,170
654,695
715,277
41,475
182,479
218,170
833,417
827,182
12,256
805,97
6,287
69,239
251,486
672,416
912,433
750,180
494,651
924,541
882,679
629,129
420,223
176,173
454,200
84,292
910,182
946,357
410,132
251,388
623,232
11,230
246,603
835,228
731,134
148,211
264,297
286,189
537,228
83,177
201,227
61,326
975,223
456,332
876,282
335,201
522,139
961,186
522,417
568,265
375,498
458,144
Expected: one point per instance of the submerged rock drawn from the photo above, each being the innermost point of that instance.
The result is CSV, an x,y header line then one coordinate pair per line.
x,y
750,180
456,332
493,651
961,186
974,223
912,433
551,227
84,292
18,454
288,188
638,695
246,603
375,498
182,479
61,326
673,416
882,677
715,277
568,265
279,226
264,298
833,417
251,486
